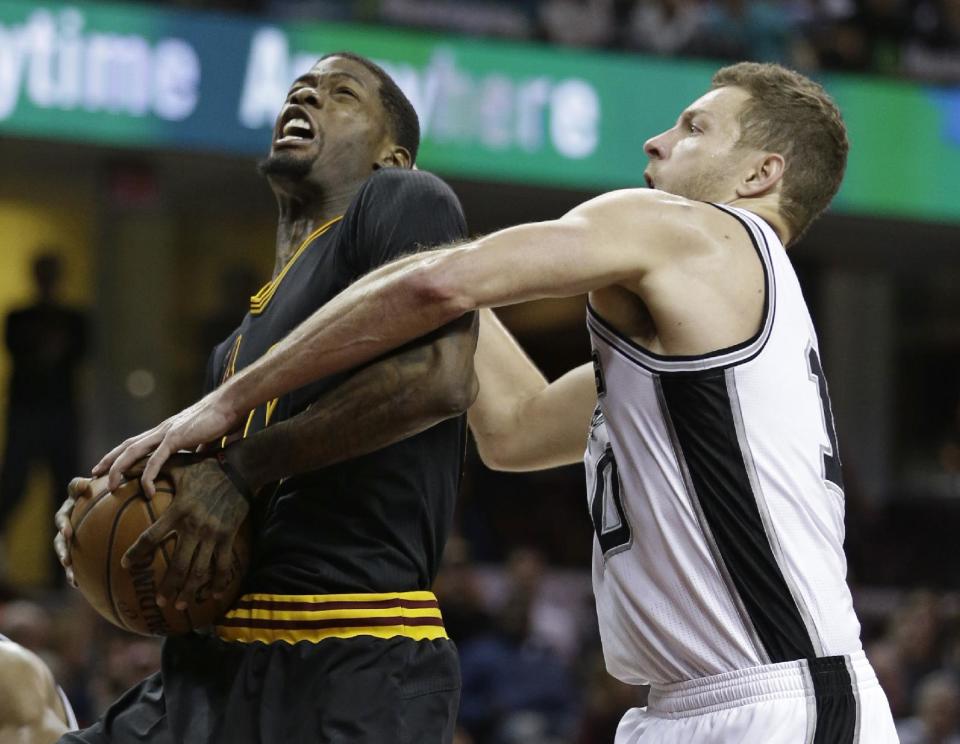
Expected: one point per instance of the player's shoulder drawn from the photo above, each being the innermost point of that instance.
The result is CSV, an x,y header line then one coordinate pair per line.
x,y
24,682
644,201
652,214
407,184
17,662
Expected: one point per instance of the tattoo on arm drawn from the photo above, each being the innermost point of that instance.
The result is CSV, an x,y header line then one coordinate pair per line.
x,y
392,399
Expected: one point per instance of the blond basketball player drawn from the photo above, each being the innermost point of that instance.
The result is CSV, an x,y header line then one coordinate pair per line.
x,y
33,710
713,472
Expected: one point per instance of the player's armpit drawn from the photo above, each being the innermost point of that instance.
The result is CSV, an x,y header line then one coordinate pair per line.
x,y
519,421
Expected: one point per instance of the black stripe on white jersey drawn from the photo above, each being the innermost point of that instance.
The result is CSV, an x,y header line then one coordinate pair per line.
x,y
700,410
702,414
838,720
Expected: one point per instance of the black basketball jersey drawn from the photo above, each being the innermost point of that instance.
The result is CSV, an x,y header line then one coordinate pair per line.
x,y
376,523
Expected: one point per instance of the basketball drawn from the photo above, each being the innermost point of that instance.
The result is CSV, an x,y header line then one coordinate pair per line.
x,y
105,525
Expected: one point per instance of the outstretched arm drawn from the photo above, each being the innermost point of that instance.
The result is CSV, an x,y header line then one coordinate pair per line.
x,y
586,249
394,398
386,402
519,420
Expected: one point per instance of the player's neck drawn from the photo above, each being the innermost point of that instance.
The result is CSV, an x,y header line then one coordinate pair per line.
x,y
766,208
299,218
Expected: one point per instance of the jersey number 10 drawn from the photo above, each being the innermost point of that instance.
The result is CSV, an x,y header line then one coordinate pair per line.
x,y
606,508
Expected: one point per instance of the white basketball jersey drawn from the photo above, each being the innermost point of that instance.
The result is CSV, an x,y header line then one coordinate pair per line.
x,y
715,490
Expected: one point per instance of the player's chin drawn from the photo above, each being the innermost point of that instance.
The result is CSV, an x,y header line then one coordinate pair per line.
x,y
287,161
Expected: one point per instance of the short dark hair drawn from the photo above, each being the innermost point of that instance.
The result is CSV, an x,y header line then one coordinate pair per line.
x,y
401,116
792,115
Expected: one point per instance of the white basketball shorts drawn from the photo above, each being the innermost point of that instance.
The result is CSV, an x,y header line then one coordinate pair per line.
x,y
830,700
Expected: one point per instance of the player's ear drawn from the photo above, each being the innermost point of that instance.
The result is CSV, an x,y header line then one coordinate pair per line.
x,y
394,156
763,177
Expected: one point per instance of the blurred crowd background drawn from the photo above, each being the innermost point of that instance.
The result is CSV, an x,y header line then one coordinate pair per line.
x,y
912,38
515,585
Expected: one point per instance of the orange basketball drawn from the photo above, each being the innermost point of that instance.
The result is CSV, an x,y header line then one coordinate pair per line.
x,y
105,525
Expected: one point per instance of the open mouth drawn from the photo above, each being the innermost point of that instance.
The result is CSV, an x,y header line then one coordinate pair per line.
x,y
649,181
295,127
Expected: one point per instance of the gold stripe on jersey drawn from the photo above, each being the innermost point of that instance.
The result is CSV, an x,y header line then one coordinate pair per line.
x,y
259,301
291,618
231,366
228,371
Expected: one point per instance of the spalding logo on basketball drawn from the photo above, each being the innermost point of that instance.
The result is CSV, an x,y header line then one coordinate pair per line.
x,y
105,525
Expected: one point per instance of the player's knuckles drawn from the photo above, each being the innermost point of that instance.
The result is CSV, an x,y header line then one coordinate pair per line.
x,y
77,486
176,573
219,532
62,518
192,523
60,548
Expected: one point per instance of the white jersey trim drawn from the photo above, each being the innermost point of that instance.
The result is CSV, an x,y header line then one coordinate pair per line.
x,y
728,357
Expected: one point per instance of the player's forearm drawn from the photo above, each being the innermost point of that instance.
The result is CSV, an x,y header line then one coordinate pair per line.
x,y
393,399
378,313
546,429
508,380
411,297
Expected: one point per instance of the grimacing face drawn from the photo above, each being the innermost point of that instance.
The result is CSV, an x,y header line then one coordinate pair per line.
x,y
698,158
332,124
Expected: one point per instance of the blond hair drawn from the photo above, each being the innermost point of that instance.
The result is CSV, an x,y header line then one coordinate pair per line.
x,y
793,116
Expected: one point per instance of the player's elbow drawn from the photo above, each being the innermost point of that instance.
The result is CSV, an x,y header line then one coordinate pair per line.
x,y
501,453
452,378
439,291
460,394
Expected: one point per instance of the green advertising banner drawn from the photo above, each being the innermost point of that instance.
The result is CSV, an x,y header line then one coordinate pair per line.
x,y
150,77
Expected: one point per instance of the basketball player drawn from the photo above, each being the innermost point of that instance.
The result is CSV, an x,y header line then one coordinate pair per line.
x,y
713,472
33,710
337,637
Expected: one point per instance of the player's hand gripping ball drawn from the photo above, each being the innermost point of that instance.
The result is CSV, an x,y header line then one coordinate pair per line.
x,y
105,524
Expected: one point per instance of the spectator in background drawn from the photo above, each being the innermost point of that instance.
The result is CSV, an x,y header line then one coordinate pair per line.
x,y
933,51
515,691
28,624
578,23
553,619
665,27
886,25
870,39
886,663
124,660
607,699
741,30
937,712
910,649
458,591
76,636
474,17
47,341
916,630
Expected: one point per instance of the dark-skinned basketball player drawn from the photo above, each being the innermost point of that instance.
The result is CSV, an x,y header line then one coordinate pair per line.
x,y
349,481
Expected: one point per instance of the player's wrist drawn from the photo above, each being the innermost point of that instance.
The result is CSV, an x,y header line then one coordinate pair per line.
x,y
233,397
232,468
